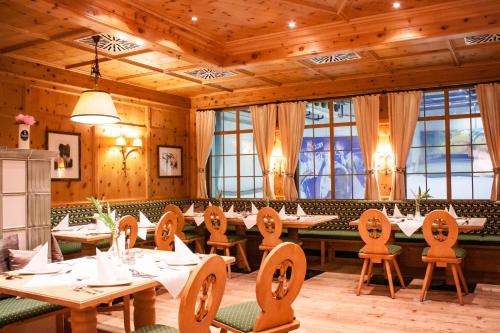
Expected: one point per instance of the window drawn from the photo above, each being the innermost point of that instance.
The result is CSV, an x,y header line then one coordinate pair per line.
x,y
234,165
320,155
449,153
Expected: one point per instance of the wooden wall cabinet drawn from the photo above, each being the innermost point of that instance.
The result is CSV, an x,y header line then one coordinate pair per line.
x,y
25,195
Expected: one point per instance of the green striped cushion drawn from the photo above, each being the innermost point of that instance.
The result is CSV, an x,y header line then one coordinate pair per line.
x,y
234,238
393,249
157,329
239,316
459,252
13,310
103,243
69,247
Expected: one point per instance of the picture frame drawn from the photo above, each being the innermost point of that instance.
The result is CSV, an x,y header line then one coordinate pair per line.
x,y
67,165
169,161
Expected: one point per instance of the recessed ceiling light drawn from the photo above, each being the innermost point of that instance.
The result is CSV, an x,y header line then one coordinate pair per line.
x,y
292,24
194,18
396,5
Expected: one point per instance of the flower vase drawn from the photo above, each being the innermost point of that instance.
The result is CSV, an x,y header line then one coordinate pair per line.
x,y
417,211
24,136
115,244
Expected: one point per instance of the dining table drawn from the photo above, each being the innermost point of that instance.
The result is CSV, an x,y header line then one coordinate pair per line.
x,y
88,238
82,301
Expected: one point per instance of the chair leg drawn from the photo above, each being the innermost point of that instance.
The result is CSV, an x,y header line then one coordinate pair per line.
x,y
398,272
241,250
213,250
362,276
389,277
323,252
126,313
227,252
60,323
457,283
462,278
427,281
264,255
370,272
199,246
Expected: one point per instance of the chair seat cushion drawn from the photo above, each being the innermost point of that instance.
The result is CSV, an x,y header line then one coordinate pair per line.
x,y
393,249
459,252
239,316
13,310
69,247
150,236
157,329
103,243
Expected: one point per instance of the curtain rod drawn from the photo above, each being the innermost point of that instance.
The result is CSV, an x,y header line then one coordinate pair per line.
x,y
383,91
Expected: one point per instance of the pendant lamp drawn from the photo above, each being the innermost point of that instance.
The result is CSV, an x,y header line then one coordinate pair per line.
x,y
95,106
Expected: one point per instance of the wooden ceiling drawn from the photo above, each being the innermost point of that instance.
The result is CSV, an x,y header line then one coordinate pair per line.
x,y
249,39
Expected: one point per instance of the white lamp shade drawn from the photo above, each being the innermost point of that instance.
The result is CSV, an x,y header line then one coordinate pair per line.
x,y
95,107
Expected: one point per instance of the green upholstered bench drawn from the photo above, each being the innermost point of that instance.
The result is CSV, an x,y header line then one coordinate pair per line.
x,y
14,310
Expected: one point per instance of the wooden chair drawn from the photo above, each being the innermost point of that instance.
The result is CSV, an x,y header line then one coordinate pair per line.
x,y
216,224
441,233
270,227
200,299
128,224
272,313
165,231
188,237
375,230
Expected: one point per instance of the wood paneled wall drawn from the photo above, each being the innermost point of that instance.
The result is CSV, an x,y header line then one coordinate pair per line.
x,y
101,168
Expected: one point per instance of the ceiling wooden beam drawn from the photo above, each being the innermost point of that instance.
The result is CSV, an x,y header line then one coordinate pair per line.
x,y
41,38
259,77
114,16
30,70
412,25
425,77
453,54
133,76
310,66
379,60
313,5
340,9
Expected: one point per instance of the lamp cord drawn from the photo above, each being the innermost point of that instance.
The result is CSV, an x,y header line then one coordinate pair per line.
x,y
94,72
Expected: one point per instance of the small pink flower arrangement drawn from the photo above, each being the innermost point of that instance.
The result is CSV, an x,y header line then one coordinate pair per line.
x,y
25,119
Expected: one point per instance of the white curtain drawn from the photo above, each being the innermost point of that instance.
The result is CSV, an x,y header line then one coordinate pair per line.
x,y
367,109
205,126
264,127
291,124
403,117
488,97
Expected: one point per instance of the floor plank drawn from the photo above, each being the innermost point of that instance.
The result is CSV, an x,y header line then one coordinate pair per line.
x,y
328,304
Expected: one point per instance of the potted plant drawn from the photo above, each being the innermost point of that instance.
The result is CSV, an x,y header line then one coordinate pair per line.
x,y
419,196
24,121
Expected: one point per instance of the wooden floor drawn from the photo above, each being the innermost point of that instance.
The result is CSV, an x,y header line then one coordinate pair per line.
x,y
328,304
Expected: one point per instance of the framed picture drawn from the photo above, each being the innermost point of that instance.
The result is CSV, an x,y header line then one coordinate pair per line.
x,y
67,165
169,161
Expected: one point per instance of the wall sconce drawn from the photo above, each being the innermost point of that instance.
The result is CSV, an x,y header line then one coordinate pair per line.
x,y
126,150
385,159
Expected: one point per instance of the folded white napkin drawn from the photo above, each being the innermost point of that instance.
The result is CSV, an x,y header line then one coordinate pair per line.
x,y
300,211
231,209
184,253
173,280
396,212
250,221
63,225
452,212
109,271
255,211
384,211
199,220
446,209
282,212
190,210
39,261
408,227
144,223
